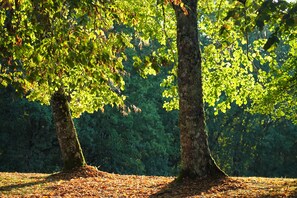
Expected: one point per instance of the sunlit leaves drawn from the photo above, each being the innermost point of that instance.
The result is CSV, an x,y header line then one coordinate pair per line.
x,y
234,61
236,66
68,44
78,45
171,93
227,64
279,98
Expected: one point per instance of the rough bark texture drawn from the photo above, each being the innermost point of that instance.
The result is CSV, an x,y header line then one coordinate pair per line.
x,y
70,148
196,160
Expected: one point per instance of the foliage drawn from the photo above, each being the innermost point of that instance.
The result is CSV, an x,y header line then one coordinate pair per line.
x,y
28,143
77,45
246,144
136,142
64,44
145,141
73,47
279,98
243,144
80,46
37,56
227,62
237,68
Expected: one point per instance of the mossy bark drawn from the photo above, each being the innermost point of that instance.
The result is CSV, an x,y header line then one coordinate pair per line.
x,y
66,133
196,160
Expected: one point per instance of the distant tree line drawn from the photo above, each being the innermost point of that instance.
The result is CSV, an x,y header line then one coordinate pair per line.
x,y
144,142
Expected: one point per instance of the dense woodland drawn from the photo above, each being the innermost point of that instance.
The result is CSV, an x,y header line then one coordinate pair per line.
x,y
144,87
145,142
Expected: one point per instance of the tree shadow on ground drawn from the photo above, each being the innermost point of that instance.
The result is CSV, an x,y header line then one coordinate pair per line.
x,y
23,185
26,184
197,187
81,172
230,187
54,177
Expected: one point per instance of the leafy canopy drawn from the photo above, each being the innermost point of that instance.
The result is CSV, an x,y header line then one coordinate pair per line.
x,y
241,63
80,46
64,44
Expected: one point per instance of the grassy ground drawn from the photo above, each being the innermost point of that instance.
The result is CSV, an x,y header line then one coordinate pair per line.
x,y
89,182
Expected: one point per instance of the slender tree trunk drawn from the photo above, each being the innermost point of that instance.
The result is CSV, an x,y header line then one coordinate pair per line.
x,y
196,160
67,136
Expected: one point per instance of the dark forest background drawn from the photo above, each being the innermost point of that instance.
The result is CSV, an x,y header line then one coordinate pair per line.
x,y
145,142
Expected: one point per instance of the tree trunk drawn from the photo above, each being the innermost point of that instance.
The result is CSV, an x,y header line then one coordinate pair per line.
x,y
70,148
196,160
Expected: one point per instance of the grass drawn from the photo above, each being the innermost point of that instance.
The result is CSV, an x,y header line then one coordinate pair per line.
x,y
89,182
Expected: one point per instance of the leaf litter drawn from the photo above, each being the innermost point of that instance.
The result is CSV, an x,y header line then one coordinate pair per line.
x,y
91,182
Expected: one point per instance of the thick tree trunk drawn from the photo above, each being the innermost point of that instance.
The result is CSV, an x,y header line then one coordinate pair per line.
x,y
196,160
70,148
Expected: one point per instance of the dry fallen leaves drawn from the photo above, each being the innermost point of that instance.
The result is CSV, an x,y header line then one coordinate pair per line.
x,y
90,182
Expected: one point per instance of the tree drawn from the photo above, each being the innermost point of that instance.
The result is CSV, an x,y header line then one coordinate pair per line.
x,y
196,160
235,67
69,55
65,54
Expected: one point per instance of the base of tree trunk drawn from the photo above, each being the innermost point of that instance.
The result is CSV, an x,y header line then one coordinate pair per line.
x,y
80,172
213,172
